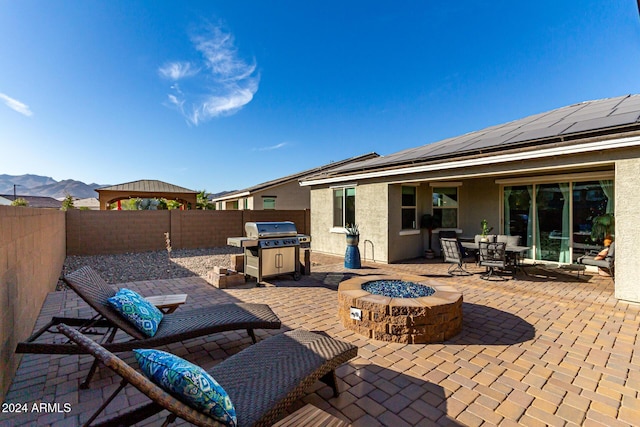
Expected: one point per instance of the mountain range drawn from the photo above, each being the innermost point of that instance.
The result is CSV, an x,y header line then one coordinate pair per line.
x,y
37,185
45,186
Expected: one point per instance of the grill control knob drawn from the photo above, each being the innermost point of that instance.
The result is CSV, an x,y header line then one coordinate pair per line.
x,y
267,243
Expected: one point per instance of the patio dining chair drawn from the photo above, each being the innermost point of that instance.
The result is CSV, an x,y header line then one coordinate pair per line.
x,y
260,381
493,256
175,327
454,253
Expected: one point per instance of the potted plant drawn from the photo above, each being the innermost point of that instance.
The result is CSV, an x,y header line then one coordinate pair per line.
x,y
484,230
603,228
353,234
428,223
352,255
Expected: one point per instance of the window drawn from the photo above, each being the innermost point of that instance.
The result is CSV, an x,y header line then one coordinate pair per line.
x,y
344,206
409,208
445,207
246,204
268,202
232,206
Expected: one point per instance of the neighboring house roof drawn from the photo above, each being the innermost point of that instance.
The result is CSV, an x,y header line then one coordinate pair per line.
x,y
36,201
147,186
561,127
91,203
295,177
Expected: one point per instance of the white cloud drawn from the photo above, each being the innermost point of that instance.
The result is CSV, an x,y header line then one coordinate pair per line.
x,y
219,84
272,147
177,70
16,105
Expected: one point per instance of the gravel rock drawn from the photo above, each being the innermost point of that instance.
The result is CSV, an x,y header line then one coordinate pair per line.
x,y
133,267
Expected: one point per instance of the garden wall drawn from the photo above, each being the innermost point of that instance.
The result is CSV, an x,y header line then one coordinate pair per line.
x,y
32,252
34,243
112,232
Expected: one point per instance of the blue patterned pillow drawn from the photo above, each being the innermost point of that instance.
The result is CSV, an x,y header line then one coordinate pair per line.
x,y
137,310
189,383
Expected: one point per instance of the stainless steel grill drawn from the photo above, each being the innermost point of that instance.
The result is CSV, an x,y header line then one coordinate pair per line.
x,y
270,249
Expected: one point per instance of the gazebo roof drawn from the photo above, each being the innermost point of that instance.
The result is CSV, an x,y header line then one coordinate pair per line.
x,y
147,186
145,189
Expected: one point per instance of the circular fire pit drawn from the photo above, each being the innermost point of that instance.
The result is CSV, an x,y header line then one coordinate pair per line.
x,y
403,308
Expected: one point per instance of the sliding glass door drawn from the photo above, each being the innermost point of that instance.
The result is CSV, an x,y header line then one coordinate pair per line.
x,y
518,213
590,200
555,219
552,228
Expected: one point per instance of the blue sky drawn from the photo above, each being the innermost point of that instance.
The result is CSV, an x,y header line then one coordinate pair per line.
x,y
223,95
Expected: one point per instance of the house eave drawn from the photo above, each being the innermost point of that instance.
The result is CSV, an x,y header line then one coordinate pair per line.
x,y
231,196
521,155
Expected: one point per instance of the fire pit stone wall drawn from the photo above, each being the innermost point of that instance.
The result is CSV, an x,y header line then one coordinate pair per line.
x,y
422,320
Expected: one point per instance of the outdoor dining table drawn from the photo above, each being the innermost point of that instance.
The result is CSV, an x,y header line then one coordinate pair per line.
x,y
515,251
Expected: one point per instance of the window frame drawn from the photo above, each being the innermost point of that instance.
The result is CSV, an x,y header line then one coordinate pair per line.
x,y
344,208
413,207
266,199
442,208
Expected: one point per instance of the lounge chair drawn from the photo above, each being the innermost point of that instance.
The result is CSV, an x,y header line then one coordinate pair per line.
x,y
174,327
261,380
606,261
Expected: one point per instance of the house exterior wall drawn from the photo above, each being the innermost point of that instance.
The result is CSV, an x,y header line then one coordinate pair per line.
x,y
371,211
403,244
627,236
477,199
480,198
288,196
32,252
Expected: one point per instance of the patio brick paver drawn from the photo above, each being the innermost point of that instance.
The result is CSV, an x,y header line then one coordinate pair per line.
x,y
544,349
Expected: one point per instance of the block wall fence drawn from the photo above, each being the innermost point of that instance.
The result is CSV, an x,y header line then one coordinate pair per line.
x,y
32,252
112,232
35,242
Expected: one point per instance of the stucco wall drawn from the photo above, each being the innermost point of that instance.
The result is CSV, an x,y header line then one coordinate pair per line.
x,y
627,267
288,196
403,244
32,252
478,199
371,212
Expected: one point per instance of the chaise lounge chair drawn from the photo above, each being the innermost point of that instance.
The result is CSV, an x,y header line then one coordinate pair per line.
x,y
175,327
261,380
606,261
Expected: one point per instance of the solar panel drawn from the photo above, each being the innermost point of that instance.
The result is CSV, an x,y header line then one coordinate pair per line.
x,y
576,118
604,122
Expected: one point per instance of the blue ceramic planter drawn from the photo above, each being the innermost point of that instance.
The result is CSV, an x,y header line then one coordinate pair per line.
x,y
352,257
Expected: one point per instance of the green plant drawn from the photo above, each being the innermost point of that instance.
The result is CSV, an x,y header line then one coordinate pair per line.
x,y
603,226
19,202
202,201
484,227
67,203
352,230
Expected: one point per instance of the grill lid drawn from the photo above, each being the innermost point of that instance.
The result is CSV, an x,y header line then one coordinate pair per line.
x,y
264,230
